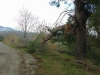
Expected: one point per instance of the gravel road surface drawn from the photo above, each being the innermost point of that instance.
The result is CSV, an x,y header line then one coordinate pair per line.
x,y
15,62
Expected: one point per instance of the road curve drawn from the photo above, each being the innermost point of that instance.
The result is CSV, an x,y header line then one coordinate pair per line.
x,y
15,62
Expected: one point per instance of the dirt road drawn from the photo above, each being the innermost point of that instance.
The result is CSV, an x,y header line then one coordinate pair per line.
x,y
15,62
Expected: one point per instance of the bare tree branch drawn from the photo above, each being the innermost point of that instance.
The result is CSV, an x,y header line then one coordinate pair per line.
x,y
65,27
66,12
53,33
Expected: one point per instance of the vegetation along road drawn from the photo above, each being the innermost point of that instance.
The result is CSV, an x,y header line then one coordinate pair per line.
x,y
15,62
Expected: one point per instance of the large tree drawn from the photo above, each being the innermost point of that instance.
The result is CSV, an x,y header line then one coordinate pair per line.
x,y
83,10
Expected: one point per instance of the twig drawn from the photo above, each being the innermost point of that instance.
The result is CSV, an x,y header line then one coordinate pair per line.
x,y
62,13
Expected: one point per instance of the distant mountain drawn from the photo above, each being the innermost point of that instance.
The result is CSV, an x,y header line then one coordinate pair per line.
x,y
5,28
6,31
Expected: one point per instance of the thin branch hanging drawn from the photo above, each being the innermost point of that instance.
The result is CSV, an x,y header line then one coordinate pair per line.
x,y
65,12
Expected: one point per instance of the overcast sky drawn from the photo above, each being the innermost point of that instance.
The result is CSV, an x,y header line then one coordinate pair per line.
x,y
9,9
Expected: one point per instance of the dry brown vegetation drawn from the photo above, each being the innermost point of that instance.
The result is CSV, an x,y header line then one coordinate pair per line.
x,y
9,39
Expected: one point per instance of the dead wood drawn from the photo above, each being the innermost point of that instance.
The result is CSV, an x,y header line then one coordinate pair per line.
x,y
53,33
87,65
65,27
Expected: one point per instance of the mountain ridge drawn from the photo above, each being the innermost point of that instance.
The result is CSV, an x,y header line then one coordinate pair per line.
x,y
2,28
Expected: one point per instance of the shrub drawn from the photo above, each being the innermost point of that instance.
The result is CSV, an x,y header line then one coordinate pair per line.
x,y
35,46
1,38
93,49
30,47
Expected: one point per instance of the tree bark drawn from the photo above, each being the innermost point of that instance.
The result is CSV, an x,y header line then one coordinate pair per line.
x,y
24,35
80,44
81,15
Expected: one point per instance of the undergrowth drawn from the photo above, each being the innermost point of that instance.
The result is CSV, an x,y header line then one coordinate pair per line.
x,y
53,63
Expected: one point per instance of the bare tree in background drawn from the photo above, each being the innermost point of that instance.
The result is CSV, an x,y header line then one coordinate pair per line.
x,y
26,21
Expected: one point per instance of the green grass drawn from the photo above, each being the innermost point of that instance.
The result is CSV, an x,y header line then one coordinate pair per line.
x,y
14,46
1,40
23,49
60,64
53,63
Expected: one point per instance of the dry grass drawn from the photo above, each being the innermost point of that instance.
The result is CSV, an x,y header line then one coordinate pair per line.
x,y
8,39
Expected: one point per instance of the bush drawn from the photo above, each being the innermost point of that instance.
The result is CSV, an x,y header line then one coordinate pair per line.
x,y
30,47
1,38
35,46
93,49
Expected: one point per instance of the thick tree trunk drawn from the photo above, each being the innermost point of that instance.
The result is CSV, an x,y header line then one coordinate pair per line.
x,y
80,44
81,16
24,35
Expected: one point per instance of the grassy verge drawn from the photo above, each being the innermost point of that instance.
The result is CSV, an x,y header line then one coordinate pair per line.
x,y
14,46
53,63
58,64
